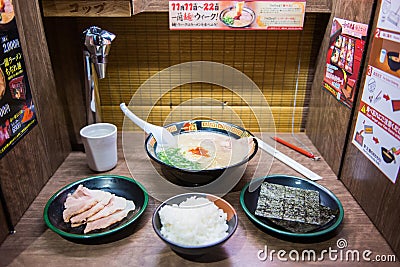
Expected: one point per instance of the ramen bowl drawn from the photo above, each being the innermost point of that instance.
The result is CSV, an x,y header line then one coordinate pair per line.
x,y
229,18
393,61
213,133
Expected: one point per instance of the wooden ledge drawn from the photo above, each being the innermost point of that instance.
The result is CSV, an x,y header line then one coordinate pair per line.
x,y
127,8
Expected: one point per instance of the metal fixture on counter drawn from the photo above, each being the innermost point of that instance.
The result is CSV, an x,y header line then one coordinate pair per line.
x,y
97,46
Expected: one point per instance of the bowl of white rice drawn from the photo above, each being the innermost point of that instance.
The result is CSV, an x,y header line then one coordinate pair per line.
x,y
195,223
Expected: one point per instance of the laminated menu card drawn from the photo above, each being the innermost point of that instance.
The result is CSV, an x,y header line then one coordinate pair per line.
x,y
17,111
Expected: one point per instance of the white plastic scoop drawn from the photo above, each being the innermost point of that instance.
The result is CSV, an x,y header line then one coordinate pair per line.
x,y
163,137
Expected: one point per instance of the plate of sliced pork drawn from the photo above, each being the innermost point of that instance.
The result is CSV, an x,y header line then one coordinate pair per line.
x,y
96,209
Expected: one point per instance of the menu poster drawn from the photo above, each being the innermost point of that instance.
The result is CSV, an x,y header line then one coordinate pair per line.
x,y
236,15
17,112
377,130
347,40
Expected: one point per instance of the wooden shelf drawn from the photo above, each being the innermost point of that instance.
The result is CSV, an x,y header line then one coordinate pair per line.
x,y
127,8
312,6
87,8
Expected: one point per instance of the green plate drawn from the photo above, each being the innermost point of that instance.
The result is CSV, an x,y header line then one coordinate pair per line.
x,y
118,185
248,201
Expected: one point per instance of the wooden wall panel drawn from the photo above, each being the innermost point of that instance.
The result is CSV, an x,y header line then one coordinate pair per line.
x,y
24,171
328,121
3,224
377,195
87,8
28,166
65,46
40,72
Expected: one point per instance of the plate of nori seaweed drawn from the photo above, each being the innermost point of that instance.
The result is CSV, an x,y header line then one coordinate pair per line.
x,y
292,208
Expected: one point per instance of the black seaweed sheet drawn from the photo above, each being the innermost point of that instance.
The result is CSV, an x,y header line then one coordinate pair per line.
x,y
326,215
294,209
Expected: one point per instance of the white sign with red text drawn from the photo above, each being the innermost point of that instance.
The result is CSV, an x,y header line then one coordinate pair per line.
x,y
377,130
230,15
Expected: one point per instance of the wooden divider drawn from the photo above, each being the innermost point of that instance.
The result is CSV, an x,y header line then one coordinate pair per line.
x,y
376,194
328,120
26,168
3,224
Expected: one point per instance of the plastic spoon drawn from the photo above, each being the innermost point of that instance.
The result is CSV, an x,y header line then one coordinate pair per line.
x,y
163,137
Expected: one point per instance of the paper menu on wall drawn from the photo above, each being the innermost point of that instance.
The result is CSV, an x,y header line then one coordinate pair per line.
x,y
343,59
17,110
377,129
389,15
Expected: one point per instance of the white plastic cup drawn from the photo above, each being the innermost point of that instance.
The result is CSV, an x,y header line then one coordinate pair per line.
x,y
100,142
382,56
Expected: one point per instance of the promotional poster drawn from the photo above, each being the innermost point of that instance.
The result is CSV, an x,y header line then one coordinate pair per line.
x,y
377,131
17,112
343,59
236,15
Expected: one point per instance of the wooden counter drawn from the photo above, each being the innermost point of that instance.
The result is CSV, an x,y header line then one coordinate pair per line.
x,y
34,244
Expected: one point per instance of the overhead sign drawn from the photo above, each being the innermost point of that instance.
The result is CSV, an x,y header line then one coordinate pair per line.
x,y
231,15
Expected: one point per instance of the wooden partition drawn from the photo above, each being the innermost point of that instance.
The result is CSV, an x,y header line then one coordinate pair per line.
x,y
64,39
328,121
330,126
377,195
4,230
27,167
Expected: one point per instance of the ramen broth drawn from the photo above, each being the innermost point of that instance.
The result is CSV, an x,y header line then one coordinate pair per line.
x,y
244,19
207,150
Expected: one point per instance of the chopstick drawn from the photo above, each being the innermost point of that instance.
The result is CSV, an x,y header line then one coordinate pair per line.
x,y
296,148
288,161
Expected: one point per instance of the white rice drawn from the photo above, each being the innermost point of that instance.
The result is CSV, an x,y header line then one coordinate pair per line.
x,y
195,222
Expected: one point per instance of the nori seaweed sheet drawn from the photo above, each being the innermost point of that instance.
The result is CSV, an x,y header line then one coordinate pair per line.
x,y
274,191
269,203
327,215
270,208
295,209
312,207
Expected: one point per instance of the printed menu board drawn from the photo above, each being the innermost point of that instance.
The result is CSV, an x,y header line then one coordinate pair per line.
x,y
343,59
235,15
17,112
377,130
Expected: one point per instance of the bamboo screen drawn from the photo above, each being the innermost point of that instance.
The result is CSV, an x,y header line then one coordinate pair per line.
x,y
277,61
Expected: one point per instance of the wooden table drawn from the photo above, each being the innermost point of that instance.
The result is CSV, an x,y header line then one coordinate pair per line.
x,y
34,244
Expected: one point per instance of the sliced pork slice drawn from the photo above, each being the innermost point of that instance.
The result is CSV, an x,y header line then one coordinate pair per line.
x,y
77,202
116,203
82,217
81,200
111,219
